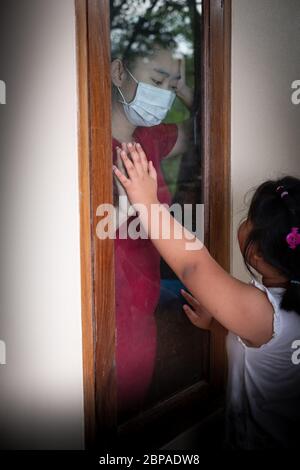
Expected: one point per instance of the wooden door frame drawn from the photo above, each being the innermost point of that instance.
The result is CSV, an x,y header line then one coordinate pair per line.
x,y
95,187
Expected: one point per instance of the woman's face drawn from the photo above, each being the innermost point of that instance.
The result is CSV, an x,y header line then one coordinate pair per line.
x,y
160,70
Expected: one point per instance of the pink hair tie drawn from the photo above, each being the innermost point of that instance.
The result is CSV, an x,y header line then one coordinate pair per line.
x,y
281,190
293,238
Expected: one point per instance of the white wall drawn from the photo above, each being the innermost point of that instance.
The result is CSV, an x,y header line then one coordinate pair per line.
x,y
265,124
41,397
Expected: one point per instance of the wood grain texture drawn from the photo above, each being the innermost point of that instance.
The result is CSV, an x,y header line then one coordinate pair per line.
x,y
97,257
167,419
216,151
101,192
87,315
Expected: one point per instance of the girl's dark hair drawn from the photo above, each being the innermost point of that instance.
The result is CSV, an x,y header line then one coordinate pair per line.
x,y
272,214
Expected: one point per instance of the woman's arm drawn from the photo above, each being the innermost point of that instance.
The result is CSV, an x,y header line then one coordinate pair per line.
x,y
185,128
182,90
239,307
184,138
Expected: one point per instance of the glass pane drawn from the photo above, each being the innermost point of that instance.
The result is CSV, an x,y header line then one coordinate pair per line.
x,y
156,83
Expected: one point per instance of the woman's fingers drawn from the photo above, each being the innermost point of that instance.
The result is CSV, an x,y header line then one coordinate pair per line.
x,y
182,68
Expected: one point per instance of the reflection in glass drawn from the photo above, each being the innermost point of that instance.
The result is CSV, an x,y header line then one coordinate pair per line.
x,y
155,70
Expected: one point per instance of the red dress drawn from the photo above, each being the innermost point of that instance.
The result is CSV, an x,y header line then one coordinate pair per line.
x,y
137,268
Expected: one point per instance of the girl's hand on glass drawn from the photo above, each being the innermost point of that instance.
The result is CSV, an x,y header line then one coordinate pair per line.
x,y
140,182
195,312
120,165
123,203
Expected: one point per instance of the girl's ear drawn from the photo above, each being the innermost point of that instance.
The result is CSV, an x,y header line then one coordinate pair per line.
x,y
256,253
118,72
254,256
257,260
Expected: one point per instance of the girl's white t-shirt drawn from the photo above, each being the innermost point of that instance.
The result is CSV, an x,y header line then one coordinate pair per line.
x,y
263,391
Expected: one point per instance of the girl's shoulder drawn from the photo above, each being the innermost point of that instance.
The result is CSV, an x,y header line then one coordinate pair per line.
x,y
285,324
274,295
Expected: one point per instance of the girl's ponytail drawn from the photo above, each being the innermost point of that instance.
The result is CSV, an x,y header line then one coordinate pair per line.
x,y
291,298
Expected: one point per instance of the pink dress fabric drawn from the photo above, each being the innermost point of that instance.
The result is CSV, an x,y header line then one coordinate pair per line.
x,y
137,271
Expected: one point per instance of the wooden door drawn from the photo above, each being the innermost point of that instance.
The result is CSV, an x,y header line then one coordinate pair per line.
x,y
173,412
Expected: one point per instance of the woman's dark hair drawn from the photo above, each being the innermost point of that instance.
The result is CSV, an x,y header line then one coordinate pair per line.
x,y
273,212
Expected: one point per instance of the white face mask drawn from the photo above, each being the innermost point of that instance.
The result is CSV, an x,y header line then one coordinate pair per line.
x,y
149,106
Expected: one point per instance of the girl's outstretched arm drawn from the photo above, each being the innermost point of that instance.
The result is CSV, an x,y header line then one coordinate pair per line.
x,y
239,307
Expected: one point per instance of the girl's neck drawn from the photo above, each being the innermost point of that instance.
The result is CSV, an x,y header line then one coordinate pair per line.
x,y
275,281
122,129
